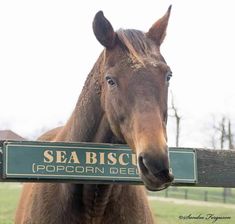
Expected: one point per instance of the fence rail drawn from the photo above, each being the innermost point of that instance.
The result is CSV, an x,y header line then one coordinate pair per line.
x,y
26,161
219,195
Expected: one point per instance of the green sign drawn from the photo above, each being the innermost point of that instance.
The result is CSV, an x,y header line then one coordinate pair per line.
x,y
85,162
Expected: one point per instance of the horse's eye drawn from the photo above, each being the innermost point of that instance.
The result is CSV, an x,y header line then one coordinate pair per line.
x,y
110,81
168,76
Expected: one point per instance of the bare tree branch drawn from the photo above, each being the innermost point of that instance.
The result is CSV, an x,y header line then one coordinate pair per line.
x,y
177,119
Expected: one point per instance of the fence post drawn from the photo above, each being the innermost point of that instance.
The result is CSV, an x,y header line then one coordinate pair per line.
x,y
205,195
186,194
166,193
224,195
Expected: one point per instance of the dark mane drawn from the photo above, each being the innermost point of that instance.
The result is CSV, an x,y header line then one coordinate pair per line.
x,y
138,45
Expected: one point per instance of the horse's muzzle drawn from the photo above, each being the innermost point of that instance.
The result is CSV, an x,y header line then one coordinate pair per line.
x,y
155,171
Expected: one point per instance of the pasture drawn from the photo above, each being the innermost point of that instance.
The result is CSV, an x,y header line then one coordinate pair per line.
x,y
213,194
164,212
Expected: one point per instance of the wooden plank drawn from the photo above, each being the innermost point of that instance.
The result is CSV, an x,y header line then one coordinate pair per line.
x,y
216,168
85,162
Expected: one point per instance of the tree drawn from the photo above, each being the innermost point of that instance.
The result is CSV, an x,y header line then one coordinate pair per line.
x,y
222,134
177,117
230,135
225,136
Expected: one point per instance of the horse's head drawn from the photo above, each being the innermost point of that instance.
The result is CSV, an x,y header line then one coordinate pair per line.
x,y
134,83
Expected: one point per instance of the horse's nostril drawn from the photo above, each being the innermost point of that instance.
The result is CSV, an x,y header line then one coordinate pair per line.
x,y
155,168
153,164
142,166
165,172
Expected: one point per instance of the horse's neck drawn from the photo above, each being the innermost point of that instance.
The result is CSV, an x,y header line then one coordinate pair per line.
x,y
93,203
88,123
87,114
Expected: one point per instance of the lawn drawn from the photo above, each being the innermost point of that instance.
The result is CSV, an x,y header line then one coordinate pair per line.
x,y
170,213
9,195
164,212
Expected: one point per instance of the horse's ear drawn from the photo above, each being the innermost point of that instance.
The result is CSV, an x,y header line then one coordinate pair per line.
x,y
103,30
158,30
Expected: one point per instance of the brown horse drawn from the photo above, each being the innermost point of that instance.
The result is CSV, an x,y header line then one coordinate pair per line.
x,y
124,100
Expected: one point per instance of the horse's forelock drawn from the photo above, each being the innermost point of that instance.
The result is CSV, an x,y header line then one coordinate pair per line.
x,y
140,49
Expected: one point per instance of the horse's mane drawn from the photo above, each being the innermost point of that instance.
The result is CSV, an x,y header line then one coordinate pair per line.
x,y
138,46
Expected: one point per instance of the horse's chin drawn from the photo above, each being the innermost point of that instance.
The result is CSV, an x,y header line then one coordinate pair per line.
x,y
156,184
153,188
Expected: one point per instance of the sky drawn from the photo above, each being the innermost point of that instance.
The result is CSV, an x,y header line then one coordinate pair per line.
x,y
47,48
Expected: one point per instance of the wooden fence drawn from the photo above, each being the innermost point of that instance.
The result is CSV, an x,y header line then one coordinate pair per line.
x,y
106,163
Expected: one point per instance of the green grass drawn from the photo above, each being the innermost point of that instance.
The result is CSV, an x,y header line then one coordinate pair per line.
x,y
164,212
169,213
9,196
